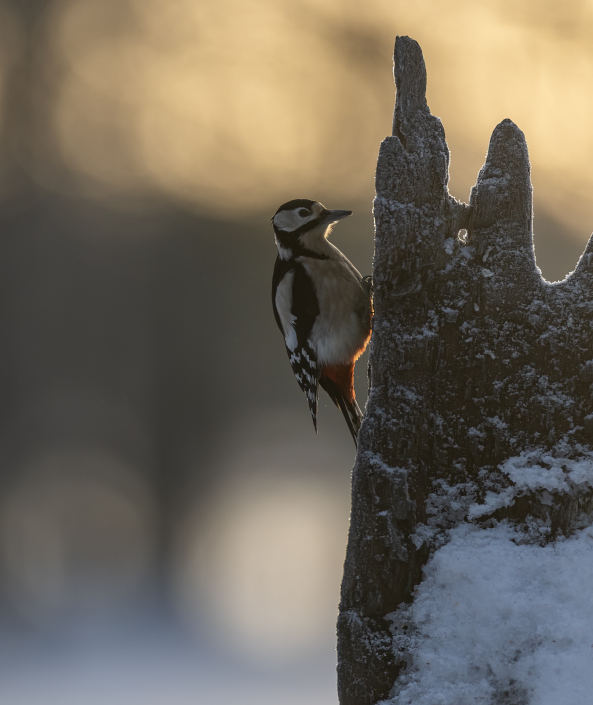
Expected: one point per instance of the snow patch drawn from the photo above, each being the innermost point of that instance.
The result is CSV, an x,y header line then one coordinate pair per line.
x,y
495,620
533,471
377,462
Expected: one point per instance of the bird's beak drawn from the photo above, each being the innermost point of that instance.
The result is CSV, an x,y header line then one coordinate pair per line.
x,y
334,216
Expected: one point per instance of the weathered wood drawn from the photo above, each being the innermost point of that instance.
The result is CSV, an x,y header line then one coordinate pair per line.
x,y
474,359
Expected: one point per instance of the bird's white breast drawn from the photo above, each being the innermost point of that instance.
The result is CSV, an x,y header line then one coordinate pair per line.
x,y
338,332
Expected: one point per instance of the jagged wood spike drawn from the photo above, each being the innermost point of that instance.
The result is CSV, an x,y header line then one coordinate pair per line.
x,y
501,226
502,196
417,150
409,71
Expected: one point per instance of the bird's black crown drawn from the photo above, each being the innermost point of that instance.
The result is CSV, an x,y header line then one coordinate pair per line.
x,y
295,203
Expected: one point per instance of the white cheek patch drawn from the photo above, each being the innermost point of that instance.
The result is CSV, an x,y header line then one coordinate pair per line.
x,y
288,221
284,308
317,208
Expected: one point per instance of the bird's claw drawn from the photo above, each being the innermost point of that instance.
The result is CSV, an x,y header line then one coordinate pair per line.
x,y
367,283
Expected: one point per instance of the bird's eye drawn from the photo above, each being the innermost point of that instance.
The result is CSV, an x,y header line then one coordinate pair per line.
x,y
304,212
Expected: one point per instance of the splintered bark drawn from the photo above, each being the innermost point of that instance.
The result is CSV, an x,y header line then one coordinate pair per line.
x,y
474,359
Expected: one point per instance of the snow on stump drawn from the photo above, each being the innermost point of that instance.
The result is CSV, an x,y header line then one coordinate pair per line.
x,y
473,486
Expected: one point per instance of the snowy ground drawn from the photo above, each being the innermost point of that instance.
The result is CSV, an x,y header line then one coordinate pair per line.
x,y
498,621
152,667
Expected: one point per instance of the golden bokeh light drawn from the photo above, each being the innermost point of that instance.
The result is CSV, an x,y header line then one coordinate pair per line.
x,y
225,104
234,106
266,567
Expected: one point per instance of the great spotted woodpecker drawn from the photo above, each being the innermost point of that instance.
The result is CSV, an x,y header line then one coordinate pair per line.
x,y
322,305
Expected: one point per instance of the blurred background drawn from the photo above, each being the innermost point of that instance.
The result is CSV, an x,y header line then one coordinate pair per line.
x,y
171,529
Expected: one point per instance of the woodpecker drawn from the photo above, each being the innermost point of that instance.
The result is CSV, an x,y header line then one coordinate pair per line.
x,y
322,305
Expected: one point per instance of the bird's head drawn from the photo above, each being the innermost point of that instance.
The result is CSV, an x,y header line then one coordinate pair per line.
x,y
301,225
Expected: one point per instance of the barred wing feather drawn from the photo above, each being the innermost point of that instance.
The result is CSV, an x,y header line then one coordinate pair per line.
x,y
295,309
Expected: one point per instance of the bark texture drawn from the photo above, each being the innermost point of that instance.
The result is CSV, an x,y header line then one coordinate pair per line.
x,y
475,359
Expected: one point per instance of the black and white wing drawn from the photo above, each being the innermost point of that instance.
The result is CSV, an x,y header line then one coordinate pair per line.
x,y
295,310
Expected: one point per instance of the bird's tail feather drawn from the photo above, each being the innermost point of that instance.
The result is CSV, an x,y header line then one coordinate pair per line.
x,y
350,409
353,417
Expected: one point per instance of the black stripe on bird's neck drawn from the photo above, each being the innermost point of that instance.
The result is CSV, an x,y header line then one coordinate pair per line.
x,y
291,243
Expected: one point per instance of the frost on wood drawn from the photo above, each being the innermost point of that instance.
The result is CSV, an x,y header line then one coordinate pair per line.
x,y
475,361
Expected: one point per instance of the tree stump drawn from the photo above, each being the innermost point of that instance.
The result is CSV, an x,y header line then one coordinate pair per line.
x,y
474,360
